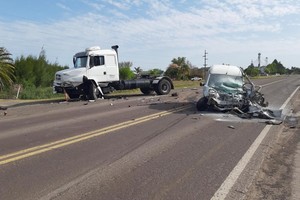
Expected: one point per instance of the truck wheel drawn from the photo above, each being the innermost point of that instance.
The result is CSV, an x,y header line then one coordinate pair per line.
x,y
163,87
202,104
147,91
92,93
73,96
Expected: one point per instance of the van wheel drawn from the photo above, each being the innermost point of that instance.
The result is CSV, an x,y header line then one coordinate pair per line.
x,y
163,87
202,104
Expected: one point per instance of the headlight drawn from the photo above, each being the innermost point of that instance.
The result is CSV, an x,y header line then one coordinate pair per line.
x,y
213,93
58,77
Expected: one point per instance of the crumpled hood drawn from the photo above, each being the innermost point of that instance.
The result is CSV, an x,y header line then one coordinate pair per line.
x,y
73,75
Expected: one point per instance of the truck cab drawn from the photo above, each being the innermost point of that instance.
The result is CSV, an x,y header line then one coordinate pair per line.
x,y
93,64
100,65
96,72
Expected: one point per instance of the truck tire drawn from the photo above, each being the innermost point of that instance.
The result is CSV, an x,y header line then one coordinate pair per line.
x,y
202,104
163,87
73,96
92,91
147,91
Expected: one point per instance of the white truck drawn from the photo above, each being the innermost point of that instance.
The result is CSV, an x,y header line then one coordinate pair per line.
x,y
96,72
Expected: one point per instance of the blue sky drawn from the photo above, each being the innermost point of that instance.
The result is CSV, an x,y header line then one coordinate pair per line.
x,y
151,33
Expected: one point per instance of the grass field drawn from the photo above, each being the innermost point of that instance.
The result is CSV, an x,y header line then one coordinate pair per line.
x,y
46,93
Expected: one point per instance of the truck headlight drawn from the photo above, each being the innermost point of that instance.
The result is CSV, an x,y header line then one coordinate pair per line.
x,y
58,77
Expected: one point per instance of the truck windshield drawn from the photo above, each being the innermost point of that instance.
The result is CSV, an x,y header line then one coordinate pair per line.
x,y
80,62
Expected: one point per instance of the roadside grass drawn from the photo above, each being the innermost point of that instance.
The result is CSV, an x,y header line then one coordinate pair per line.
x,y
47,93
186,84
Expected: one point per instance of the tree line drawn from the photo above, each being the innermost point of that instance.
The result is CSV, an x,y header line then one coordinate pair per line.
x,y
33,73
273,68
30,73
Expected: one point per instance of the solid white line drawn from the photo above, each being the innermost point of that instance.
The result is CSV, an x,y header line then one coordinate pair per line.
x,y
224,189
226,186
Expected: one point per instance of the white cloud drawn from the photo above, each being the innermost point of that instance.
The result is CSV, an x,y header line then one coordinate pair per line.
x,y
93,4
63,6
225,28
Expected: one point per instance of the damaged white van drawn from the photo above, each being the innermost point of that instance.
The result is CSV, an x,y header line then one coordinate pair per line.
x,y
228,88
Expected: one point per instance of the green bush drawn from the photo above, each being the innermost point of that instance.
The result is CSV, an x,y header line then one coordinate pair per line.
x,y
126,73
31,92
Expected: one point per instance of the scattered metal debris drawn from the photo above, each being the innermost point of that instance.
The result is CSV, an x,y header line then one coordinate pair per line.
x,y
273,122
291,121
3,107
175,94
230,126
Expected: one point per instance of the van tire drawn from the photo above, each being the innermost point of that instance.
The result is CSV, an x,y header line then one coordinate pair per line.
x,y
202,104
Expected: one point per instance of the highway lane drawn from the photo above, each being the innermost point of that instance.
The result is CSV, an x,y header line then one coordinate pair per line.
x,y
181,155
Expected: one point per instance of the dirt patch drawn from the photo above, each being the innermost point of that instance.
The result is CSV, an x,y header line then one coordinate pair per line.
x,y
274,178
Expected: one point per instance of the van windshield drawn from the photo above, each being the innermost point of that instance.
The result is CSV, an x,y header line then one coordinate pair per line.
x,y
226,83
80,62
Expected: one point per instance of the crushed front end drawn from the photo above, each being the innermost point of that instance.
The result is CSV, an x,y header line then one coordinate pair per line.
x,y
229,89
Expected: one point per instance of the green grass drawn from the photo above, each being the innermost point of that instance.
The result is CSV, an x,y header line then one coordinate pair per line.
x,y
186,84
33,93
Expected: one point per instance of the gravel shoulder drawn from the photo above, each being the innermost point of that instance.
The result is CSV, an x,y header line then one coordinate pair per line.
x,y
278,175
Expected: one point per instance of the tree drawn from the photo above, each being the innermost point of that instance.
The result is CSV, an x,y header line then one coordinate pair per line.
x,y
251,70
275,67
126,73
6,68
197,72
156,72
125,64
179,68
172,71
35,72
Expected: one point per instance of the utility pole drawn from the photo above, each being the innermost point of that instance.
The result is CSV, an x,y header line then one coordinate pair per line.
x,y
205,58
259,54
205,64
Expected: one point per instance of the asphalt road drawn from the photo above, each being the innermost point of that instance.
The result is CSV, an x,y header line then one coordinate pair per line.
x,y
156,147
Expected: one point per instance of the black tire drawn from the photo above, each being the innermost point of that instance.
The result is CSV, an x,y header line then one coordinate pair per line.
x,y
163,87
202,104
92,91
73,96
72,93
147,91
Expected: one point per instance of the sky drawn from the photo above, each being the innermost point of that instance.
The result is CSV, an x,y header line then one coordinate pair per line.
x,y
150,33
